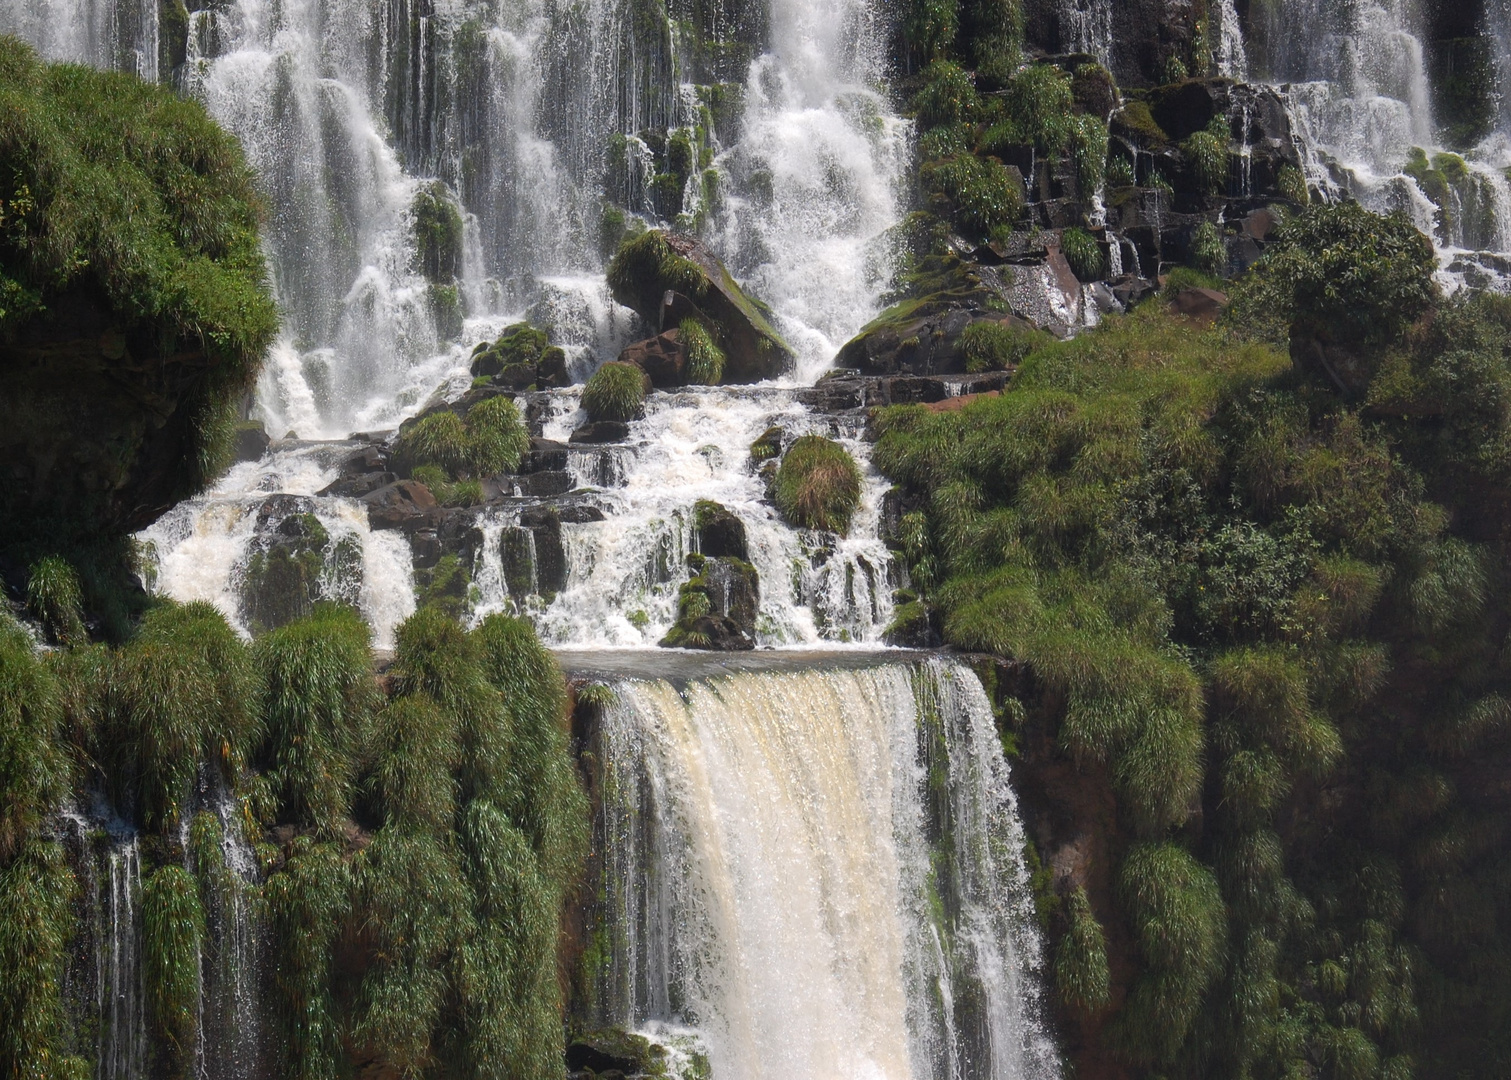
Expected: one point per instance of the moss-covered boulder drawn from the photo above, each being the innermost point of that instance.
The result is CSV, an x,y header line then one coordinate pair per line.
x,y
523,358
818,485
134,299
717,608
668,278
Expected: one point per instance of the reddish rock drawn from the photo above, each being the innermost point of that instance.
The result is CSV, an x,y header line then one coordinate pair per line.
x,y
405,504
662,358
1200,305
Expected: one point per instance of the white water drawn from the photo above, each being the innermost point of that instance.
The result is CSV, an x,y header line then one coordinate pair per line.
x,y
1086,27
772,884
1360,100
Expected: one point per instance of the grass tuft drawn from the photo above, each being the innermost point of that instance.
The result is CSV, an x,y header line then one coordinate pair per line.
x,y
818,485
615,392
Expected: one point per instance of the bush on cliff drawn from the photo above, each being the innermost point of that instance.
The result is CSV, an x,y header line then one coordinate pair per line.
x,y
1241,595
615,392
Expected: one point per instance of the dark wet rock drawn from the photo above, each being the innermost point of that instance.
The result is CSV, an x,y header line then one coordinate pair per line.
x,y
544,455
720,532
666,277
252,441
358,486
539,485
662,358
533,555
916,624
290,561
404,504
602,431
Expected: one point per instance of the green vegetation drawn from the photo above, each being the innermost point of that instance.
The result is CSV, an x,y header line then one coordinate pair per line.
x,y
615,392
54,598
1208,252
998,346
490,440
978,193
818,485
1271,619
1083,253
1207,153
438,233
645,266
420,835
705,360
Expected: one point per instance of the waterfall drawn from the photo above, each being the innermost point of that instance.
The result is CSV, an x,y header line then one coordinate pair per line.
x,y
1356,81
1231,54
121,996
820,873
1086,27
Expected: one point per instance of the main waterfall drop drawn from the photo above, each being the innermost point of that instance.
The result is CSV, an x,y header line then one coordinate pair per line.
x,y
819,873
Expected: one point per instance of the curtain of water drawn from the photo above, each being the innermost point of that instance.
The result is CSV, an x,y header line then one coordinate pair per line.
x,y
820,874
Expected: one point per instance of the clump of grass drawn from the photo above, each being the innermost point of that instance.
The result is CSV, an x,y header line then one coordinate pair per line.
x,y
705,360
1081,975
496,436
998,346
818,485
978,192
173,929
645,266
307,904
1086,141
1208,252
1207,152
1083,253
768,446
1292,185
1179,923
948,97
187,695
54,598
439,439
33,771
615,392
318,693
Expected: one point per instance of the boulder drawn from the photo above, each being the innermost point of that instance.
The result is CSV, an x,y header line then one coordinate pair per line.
x,y
252,441
601,431
718,607
404,504
1199,305
615,1050
719,532
662,358
654,264
522,358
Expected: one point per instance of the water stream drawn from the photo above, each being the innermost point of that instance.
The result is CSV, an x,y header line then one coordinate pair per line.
x,y
820,873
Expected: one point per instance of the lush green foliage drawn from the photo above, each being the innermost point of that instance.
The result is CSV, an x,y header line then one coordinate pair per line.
x,y
173,930
818,485
490,439
1080,971
54,598
998,346
1083,253
1207,153
977,192
615,392
705,360
1243,595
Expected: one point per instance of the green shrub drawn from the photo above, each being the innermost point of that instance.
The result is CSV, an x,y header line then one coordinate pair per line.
x,y
998,346
318,692
1343,272
1120,172
1081,958
438,233
945,141
307,903
1179,923
615,392
1292,185
1207,152
439,439
1208,252
496,436
705,360
123,185
414,751
1040,104
55,600
173,930
188,694
818,485
948,97
37,891
1086,139
1084,254
980,191
33,772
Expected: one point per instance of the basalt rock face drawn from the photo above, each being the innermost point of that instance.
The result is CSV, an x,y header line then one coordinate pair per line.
x,y
1142,34
95,420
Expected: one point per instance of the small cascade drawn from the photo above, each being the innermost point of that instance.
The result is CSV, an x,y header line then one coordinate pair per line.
x,y
1357,86
1086,27
1230,54
614,575
819,873
222,546
121,995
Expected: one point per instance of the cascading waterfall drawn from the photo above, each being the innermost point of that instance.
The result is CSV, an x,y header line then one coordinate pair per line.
x,y
1356,80
1086,27
819,873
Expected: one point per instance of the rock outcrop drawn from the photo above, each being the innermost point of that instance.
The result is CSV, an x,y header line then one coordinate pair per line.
x,y
666,277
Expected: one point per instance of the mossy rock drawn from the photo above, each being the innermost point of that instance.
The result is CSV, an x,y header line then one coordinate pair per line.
x,y
720,532
288,575
522,358
654,264
614,1049
717,609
